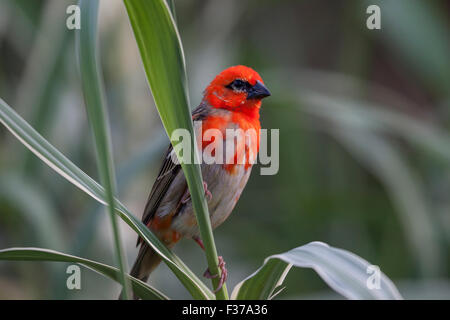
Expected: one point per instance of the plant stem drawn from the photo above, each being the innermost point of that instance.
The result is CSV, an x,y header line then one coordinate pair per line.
x,y
162,55
93,92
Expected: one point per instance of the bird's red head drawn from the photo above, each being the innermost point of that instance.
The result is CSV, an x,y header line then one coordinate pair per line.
x,y
237,88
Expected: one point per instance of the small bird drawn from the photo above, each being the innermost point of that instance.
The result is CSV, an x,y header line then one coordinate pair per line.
x,y
231,101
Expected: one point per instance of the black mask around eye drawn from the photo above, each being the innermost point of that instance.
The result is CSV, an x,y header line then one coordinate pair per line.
x,y
258,91
239,85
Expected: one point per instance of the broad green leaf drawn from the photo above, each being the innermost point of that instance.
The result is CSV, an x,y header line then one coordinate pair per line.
x,y
94,97
63,166
162,55
343,271
141,289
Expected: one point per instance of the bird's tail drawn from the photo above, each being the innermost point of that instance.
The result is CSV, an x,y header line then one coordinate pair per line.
x,y
146,261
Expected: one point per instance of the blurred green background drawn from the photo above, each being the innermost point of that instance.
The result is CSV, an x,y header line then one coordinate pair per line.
x,y
364,119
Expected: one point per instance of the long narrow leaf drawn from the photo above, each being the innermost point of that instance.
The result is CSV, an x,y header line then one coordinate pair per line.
x,y
142,289
93,91
63,166
162,55
344,272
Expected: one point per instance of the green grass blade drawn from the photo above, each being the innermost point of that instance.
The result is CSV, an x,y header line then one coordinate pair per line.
x,y
142,289
93,90
343,271
171,5
63,166
162,55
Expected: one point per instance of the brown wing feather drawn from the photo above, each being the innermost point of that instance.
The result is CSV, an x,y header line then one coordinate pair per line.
x,y
165,177
166,174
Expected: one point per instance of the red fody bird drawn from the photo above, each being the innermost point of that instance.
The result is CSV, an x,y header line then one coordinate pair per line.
x,y
231,101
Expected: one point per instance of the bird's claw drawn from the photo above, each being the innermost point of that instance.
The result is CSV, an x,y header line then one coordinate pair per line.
x,y
223,274
208,194
199,242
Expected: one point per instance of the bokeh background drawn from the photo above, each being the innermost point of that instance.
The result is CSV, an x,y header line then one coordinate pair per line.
x,y
364,119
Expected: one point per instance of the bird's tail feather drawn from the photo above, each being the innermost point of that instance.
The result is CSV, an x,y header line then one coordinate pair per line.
x,y
146,261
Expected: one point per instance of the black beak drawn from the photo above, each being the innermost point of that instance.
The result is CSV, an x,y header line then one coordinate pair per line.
x,y
258,91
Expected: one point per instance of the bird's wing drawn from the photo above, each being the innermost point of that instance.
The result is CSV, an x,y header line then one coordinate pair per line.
x,y
166,175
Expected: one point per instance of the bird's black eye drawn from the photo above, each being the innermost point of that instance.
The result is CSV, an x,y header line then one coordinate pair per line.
x,y
239,85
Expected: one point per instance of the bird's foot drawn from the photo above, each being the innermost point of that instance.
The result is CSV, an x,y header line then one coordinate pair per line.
x,y
223,274
208,194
